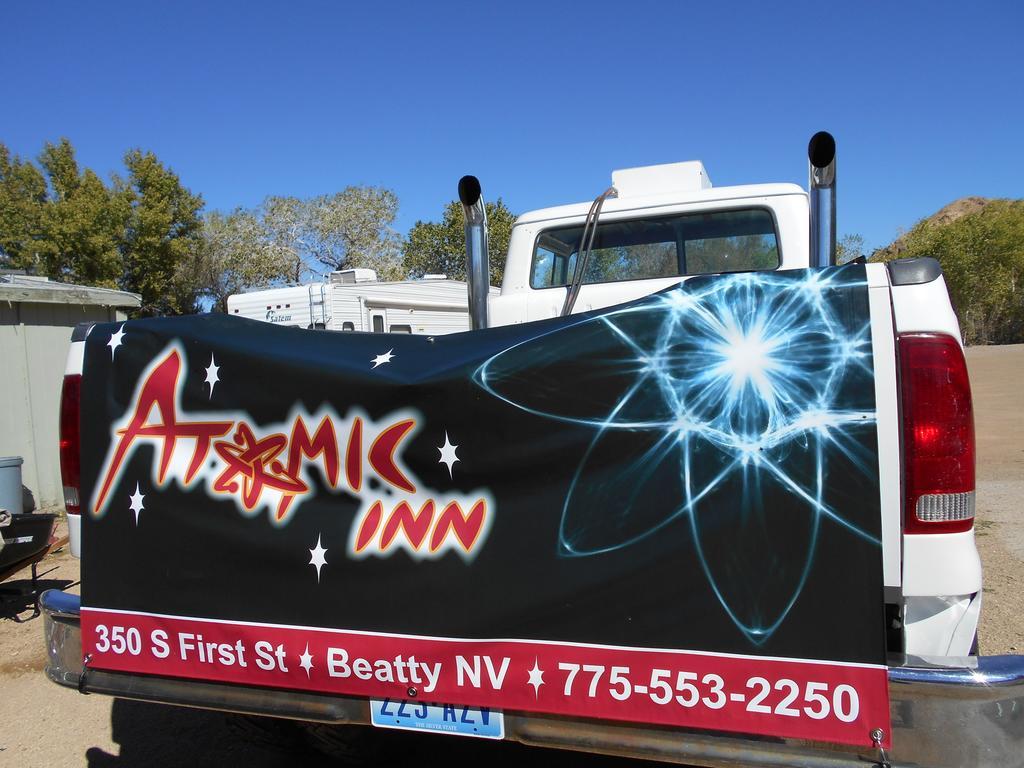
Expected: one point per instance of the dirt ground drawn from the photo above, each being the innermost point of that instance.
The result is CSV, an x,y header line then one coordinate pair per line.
x,y
997,383
42,724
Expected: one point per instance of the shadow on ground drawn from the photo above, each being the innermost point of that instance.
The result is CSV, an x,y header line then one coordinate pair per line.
x,y
156,735
18,597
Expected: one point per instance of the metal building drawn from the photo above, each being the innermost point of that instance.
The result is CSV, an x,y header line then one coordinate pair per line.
x,y
36,319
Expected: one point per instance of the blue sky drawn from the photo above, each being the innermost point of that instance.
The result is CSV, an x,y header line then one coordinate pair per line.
x,y
540,100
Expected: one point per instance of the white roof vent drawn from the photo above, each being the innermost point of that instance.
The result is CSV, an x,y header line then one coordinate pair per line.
x,y
349,276
435,277
661,179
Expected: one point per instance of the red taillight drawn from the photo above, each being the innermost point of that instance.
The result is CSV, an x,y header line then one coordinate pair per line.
x,y
938,435
70,467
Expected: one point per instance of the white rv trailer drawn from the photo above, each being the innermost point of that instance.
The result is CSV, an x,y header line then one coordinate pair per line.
x,y
353,300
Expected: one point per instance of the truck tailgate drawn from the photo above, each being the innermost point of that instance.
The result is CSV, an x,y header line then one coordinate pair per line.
x,y
667,512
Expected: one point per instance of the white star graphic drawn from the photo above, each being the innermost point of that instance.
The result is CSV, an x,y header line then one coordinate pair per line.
x,y
381,359
448,455
536,678
317,558
306,660
115,340
136,505
211,374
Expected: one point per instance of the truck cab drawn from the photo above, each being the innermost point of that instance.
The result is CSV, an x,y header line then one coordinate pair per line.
x,y
665,222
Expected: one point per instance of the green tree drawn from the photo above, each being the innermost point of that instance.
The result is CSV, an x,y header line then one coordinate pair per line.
x,y
284,224
351,228
83,222
58,160
144,232
23,196
440,247
849,247
982,258
162,244
67,224
238,253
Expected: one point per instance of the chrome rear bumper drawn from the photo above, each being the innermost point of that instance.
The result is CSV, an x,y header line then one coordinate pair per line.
x,y
961,712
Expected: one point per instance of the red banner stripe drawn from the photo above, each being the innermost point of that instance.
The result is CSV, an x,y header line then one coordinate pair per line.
x,y
821,701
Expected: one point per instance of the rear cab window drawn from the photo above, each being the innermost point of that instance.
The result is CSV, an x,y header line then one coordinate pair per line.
x,y
664,246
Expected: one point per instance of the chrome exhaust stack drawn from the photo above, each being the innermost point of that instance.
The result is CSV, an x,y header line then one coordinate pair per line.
x,y
478,280
821,156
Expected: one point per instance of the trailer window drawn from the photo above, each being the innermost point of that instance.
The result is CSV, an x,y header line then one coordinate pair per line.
x,y
666,246
401,329
378,324
348,325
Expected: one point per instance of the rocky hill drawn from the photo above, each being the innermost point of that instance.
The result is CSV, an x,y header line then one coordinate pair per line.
x,y
946,215
980,244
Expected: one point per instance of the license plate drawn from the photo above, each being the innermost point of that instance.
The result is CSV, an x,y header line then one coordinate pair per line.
x,y
454,719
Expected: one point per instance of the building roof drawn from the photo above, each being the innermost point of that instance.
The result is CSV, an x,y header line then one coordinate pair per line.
x,y
30,288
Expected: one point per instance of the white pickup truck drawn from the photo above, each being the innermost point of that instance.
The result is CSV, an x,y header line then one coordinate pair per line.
x,y
833,401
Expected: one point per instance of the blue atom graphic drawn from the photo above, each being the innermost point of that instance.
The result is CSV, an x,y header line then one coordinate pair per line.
x,y
725,402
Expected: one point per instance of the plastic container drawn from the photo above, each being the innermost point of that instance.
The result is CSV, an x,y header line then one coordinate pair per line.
x,y
10,484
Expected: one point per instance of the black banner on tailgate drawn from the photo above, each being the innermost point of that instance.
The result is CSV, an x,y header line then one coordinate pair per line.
x,y
691,473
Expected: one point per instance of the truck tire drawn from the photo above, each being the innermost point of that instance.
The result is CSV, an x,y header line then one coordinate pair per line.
x,y
351,744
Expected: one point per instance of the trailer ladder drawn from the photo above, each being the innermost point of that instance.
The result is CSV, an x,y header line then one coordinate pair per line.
x,y
318,301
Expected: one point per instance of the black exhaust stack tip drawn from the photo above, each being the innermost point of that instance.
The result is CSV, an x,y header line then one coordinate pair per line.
x,y
821,150
821,188
469,190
